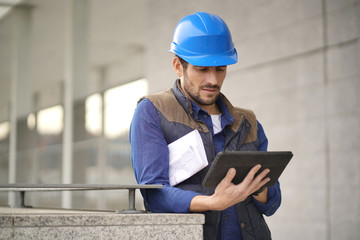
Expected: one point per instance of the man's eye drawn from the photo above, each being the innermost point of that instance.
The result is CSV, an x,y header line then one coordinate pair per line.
x,y
221,69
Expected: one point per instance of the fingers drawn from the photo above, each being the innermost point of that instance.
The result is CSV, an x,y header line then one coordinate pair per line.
x,y
264,181
258,181
227,194
250,182
250,176
262,175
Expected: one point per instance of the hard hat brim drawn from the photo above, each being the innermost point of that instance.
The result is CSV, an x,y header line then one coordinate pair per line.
x,y
207,60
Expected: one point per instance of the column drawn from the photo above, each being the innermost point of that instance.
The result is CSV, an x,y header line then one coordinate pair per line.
x,y
20,99
75,77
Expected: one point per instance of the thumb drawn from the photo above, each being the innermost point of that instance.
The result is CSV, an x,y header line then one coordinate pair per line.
x,y
229,177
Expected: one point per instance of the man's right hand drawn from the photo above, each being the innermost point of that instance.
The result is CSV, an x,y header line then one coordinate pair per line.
x,y
227,193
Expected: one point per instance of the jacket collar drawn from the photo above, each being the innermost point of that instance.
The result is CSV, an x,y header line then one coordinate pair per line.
x,y
182,97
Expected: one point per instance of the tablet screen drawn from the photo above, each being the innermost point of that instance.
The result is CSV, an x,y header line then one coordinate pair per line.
x,y
243,161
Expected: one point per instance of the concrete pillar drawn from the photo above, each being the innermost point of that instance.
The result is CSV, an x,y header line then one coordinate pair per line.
x,y
20,99
76,69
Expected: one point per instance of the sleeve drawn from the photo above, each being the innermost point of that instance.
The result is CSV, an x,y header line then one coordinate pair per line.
x,y
274,192
263,141
150,161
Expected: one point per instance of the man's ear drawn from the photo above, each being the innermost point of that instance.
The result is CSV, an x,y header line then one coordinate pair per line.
x,y
177,66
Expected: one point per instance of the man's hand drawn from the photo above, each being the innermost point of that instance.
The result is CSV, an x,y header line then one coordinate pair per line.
x,y
227,194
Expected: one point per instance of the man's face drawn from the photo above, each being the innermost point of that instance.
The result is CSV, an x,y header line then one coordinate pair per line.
x,y
203,84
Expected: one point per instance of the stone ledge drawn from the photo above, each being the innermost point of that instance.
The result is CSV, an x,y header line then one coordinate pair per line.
x,y
50,224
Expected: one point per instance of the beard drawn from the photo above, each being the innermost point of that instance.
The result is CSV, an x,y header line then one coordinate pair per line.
x,y
198,99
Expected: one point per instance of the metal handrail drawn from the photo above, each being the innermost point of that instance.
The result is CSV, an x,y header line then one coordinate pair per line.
x,y
22,188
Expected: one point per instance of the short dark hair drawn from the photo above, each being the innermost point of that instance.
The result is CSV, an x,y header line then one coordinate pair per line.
x,y
184,63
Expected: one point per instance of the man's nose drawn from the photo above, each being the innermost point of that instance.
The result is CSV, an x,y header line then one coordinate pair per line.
x,y
212,77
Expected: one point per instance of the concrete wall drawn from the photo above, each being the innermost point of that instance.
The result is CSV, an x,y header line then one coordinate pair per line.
x,y
299,70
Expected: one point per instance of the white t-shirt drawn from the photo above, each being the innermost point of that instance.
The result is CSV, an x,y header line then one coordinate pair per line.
x,y
216,121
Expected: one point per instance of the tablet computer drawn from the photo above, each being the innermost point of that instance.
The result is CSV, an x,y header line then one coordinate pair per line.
x,y
243,161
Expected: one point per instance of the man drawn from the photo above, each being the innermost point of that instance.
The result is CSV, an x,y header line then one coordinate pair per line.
x,y
203,48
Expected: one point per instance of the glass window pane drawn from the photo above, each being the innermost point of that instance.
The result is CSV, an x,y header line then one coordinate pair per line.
x,y
50,120
93,114
120,103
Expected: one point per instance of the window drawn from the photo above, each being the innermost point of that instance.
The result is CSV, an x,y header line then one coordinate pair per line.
x,y
50,120
4,130
120,103
93,114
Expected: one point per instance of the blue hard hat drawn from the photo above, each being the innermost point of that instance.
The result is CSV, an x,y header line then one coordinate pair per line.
x,y
203,39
